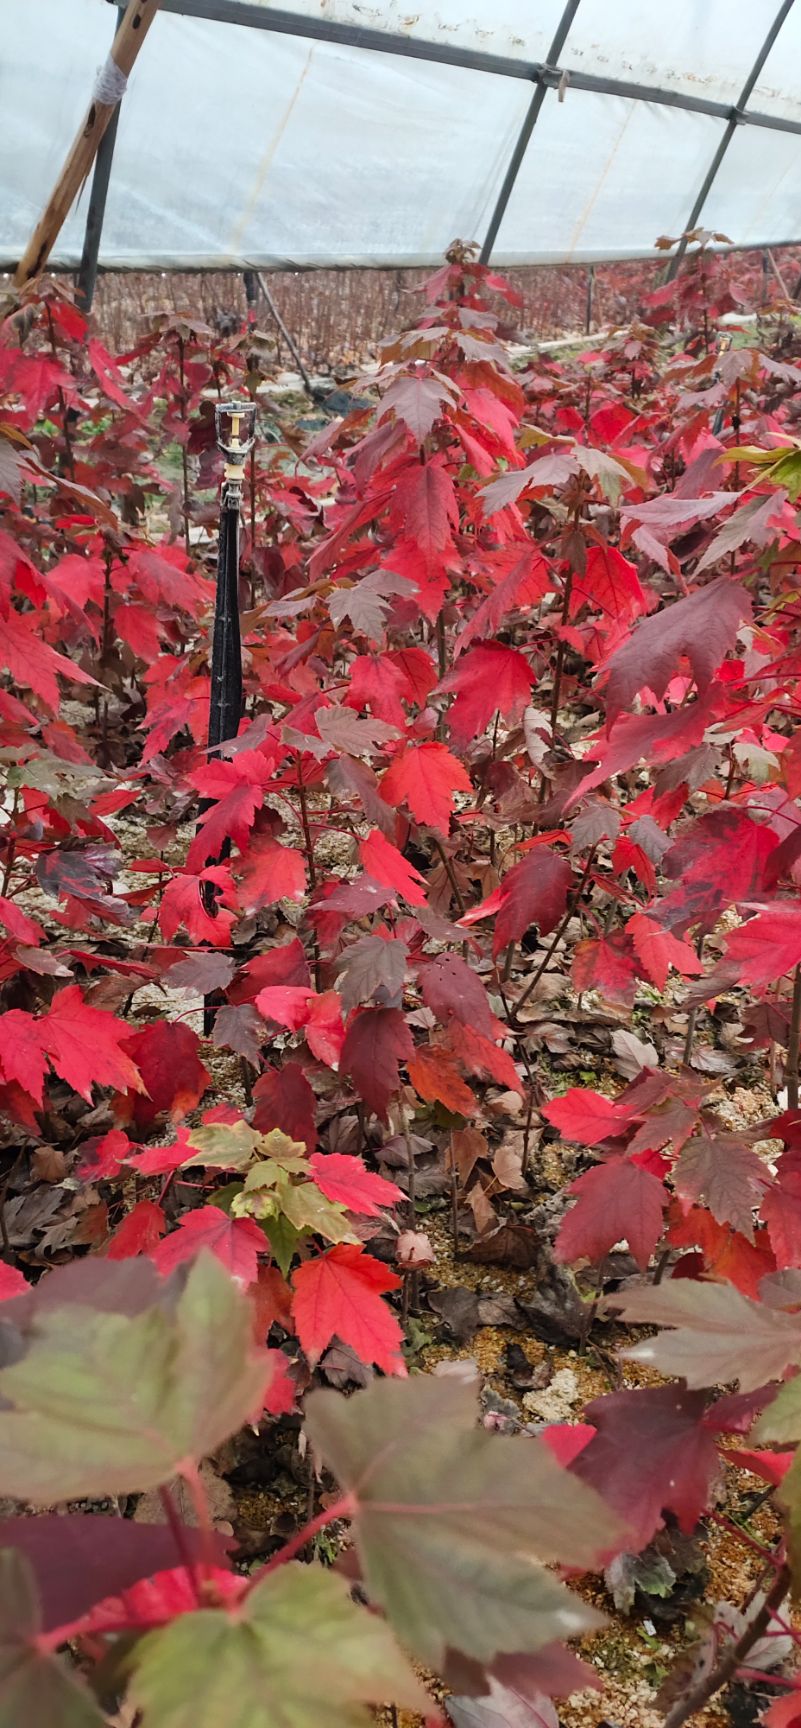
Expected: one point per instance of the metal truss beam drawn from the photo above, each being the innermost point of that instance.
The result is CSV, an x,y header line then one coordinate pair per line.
x,y
547,73
737,117
525,132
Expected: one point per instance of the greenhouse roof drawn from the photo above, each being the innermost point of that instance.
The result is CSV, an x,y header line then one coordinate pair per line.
x,y
347,133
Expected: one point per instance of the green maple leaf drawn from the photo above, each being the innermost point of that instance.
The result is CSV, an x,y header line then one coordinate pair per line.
x,y
35,1687
283,1238
225,1145
237,1146
451,1522
298,1653
307,1209
106,1402
269,1195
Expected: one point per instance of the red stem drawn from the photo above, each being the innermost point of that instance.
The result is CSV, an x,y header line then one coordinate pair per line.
x,y
343,1508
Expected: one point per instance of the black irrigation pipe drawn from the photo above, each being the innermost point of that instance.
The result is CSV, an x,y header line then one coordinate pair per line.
x,y
236,425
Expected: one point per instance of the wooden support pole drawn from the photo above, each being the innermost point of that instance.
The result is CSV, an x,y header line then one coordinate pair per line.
x,y
291,345
139,15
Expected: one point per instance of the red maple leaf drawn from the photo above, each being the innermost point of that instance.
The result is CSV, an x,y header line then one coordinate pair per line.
x,y
377,1041
22,1053
339,1294
566,1439
720,860
588,1117
183,903
345,1179
237,788
284,964
173,1076
702,626
426,777
375,683
139,1233
434,1076
452,990
533,892
33,663
767,946
320,1017
780,1210
12,1283
110,378
281,1394
479,1055
608,583
270,872
724,1254
521,578
726,1174
605,964
488,679
85,1045
616,1202
237,1242
658,950
424,505
387,865
102,1158
155,1601
286,1004
283,1098
162,1160
651,1453
323,1029
271,1301
18,924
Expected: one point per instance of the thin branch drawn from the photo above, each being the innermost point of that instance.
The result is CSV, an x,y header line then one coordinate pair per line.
x,y
730,1661
558,933
791,1070
343,1508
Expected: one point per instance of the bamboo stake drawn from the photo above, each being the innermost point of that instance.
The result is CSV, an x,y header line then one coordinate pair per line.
x,y
132,31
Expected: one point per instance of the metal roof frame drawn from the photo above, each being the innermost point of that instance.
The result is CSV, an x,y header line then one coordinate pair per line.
x,y
737,118
547,75
525,132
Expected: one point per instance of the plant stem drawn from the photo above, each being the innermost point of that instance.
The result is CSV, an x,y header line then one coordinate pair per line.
x,y
442,664
12,842
454,1198
558,933
686,1055
253,526
304,821
343,1508
69,459
451,875
178,1532
105,649
791,1070
560,654
194,1483
184,456
730,1661
412,1280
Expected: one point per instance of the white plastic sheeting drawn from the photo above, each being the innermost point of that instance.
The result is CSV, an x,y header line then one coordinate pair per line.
x,y
241,146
